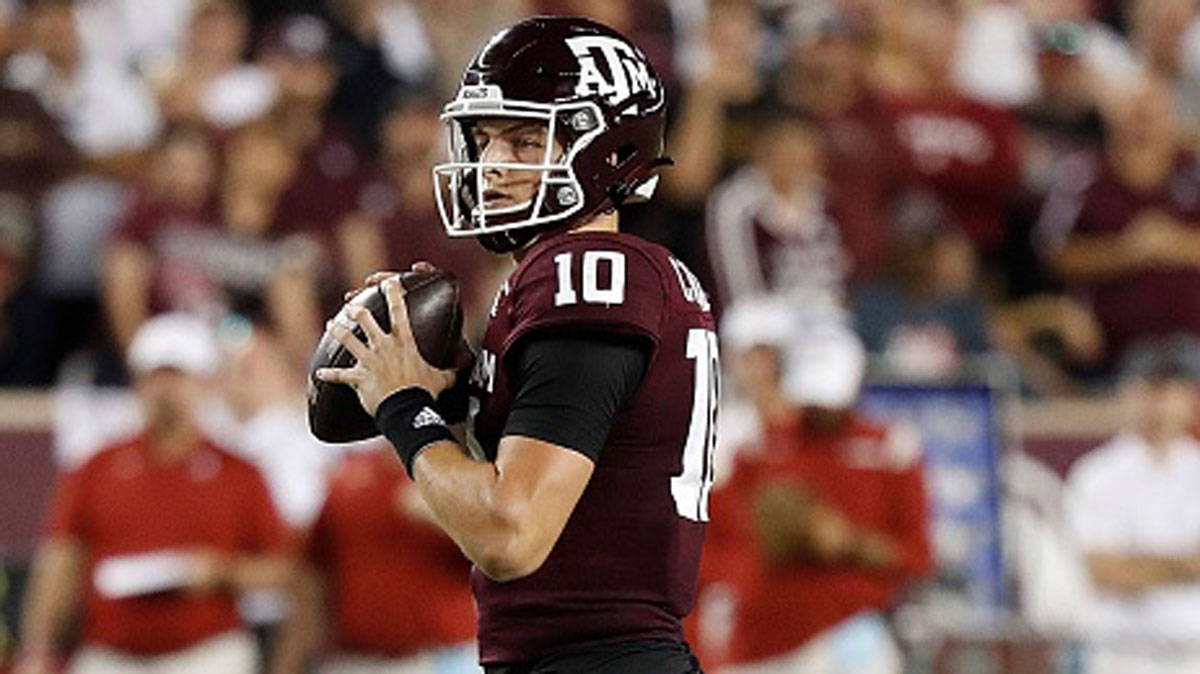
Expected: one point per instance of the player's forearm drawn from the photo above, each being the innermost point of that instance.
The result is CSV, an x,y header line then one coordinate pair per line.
x,y
1137,573
469,503
51,595
507,515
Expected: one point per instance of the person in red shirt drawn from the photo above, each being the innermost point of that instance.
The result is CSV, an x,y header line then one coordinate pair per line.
x,y
394,587
156,535
822,527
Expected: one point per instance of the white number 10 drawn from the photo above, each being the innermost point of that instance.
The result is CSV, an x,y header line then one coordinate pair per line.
x,y
691,487
592,292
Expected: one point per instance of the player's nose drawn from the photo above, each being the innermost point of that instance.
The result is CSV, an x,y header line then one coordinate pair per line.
x,y
497,152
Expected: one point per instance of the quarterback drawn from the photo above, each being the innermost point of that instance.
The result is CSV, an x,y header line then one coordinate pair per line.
x,y
582,495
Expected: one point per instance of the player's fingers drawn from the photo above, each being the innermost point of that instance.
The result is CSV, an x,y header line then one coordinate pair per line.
x,y
398,309
342,333
422,265
378,277
374,333
339,375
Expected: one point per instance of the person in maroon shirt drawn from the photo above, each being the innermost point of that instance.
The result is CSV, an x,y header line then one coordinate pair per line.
x,y
1123,230
201,241
963,151
322,197
581,491
824,77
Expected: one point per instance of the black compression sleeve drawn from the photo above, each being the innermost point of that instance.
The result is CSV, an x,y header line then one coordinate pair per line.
x,y
569,389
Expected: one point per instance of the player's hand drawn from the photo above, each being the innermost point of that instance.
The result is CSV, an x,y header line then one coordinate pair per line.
x,y
380,276
388,361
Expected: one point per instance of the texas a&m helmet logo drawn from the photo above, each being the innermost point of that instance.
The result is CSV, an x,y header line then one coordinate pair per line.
x,y
611,69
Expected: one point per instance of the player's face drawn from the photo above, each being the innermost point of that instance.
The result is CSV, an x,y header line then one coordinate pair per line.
x,y
514,141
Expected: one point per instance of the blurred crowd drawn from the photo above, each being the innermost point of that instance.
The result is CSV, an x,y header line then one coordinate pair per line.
x,y
953,178
942,185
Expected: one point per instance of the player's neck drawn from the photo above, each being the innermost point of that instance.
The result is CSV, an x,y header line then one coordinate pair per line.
x,y
605,222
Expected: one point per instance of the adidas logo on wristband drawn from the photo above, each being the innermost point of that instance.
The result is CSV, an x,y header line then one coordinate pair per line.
x,y
427,417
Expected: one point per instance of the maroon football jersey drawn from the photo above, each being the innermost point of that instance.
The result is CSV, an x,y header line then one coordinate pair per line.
x,y
625,566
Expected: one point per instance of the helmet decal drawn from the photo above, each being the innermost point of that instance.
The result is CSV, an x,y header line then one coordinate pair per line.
x,y
609,68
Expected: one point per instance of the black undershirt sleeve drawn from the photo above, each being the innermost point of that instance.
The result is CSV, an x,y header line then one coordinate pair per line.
x,y
570,388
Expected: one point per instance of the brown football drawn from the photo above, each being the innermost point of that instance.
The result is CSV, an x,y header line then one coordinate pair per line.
x,y
436,316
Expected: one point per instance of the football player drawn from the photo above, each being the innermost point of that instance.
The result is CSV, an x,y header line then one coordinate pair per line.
x,y
593,398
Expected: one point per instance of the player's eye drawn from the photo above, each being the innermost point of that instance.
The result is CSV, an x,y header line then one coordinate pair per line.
x,y
529,142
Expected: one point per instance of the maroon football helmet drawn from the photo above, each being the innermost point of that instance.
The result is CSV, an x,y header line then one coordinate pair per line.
x,y
600,100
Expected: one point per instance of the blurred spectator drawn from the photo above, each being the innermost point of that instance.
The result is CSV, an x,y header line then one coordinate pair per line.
x,y
723,102
34,155
110,119
1073,28
179,194
264,395
184,246
993,61
105,112
1060,119
925,318
158,534
133,35
1121,229
1134,510
1166,35
264,421
768,227
962,151
390,588
755,334
33,151
1056,341
823,527
365,40
322,198
208,82
824,77
400,197
454,28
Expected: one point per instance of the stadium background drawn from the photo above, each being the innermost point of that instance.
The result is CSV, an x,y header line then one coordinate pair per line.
x,y
970,114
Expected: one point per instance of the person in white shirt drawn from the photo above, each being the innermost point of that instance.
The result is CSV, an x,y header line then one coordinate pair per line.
x,y
1133,506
